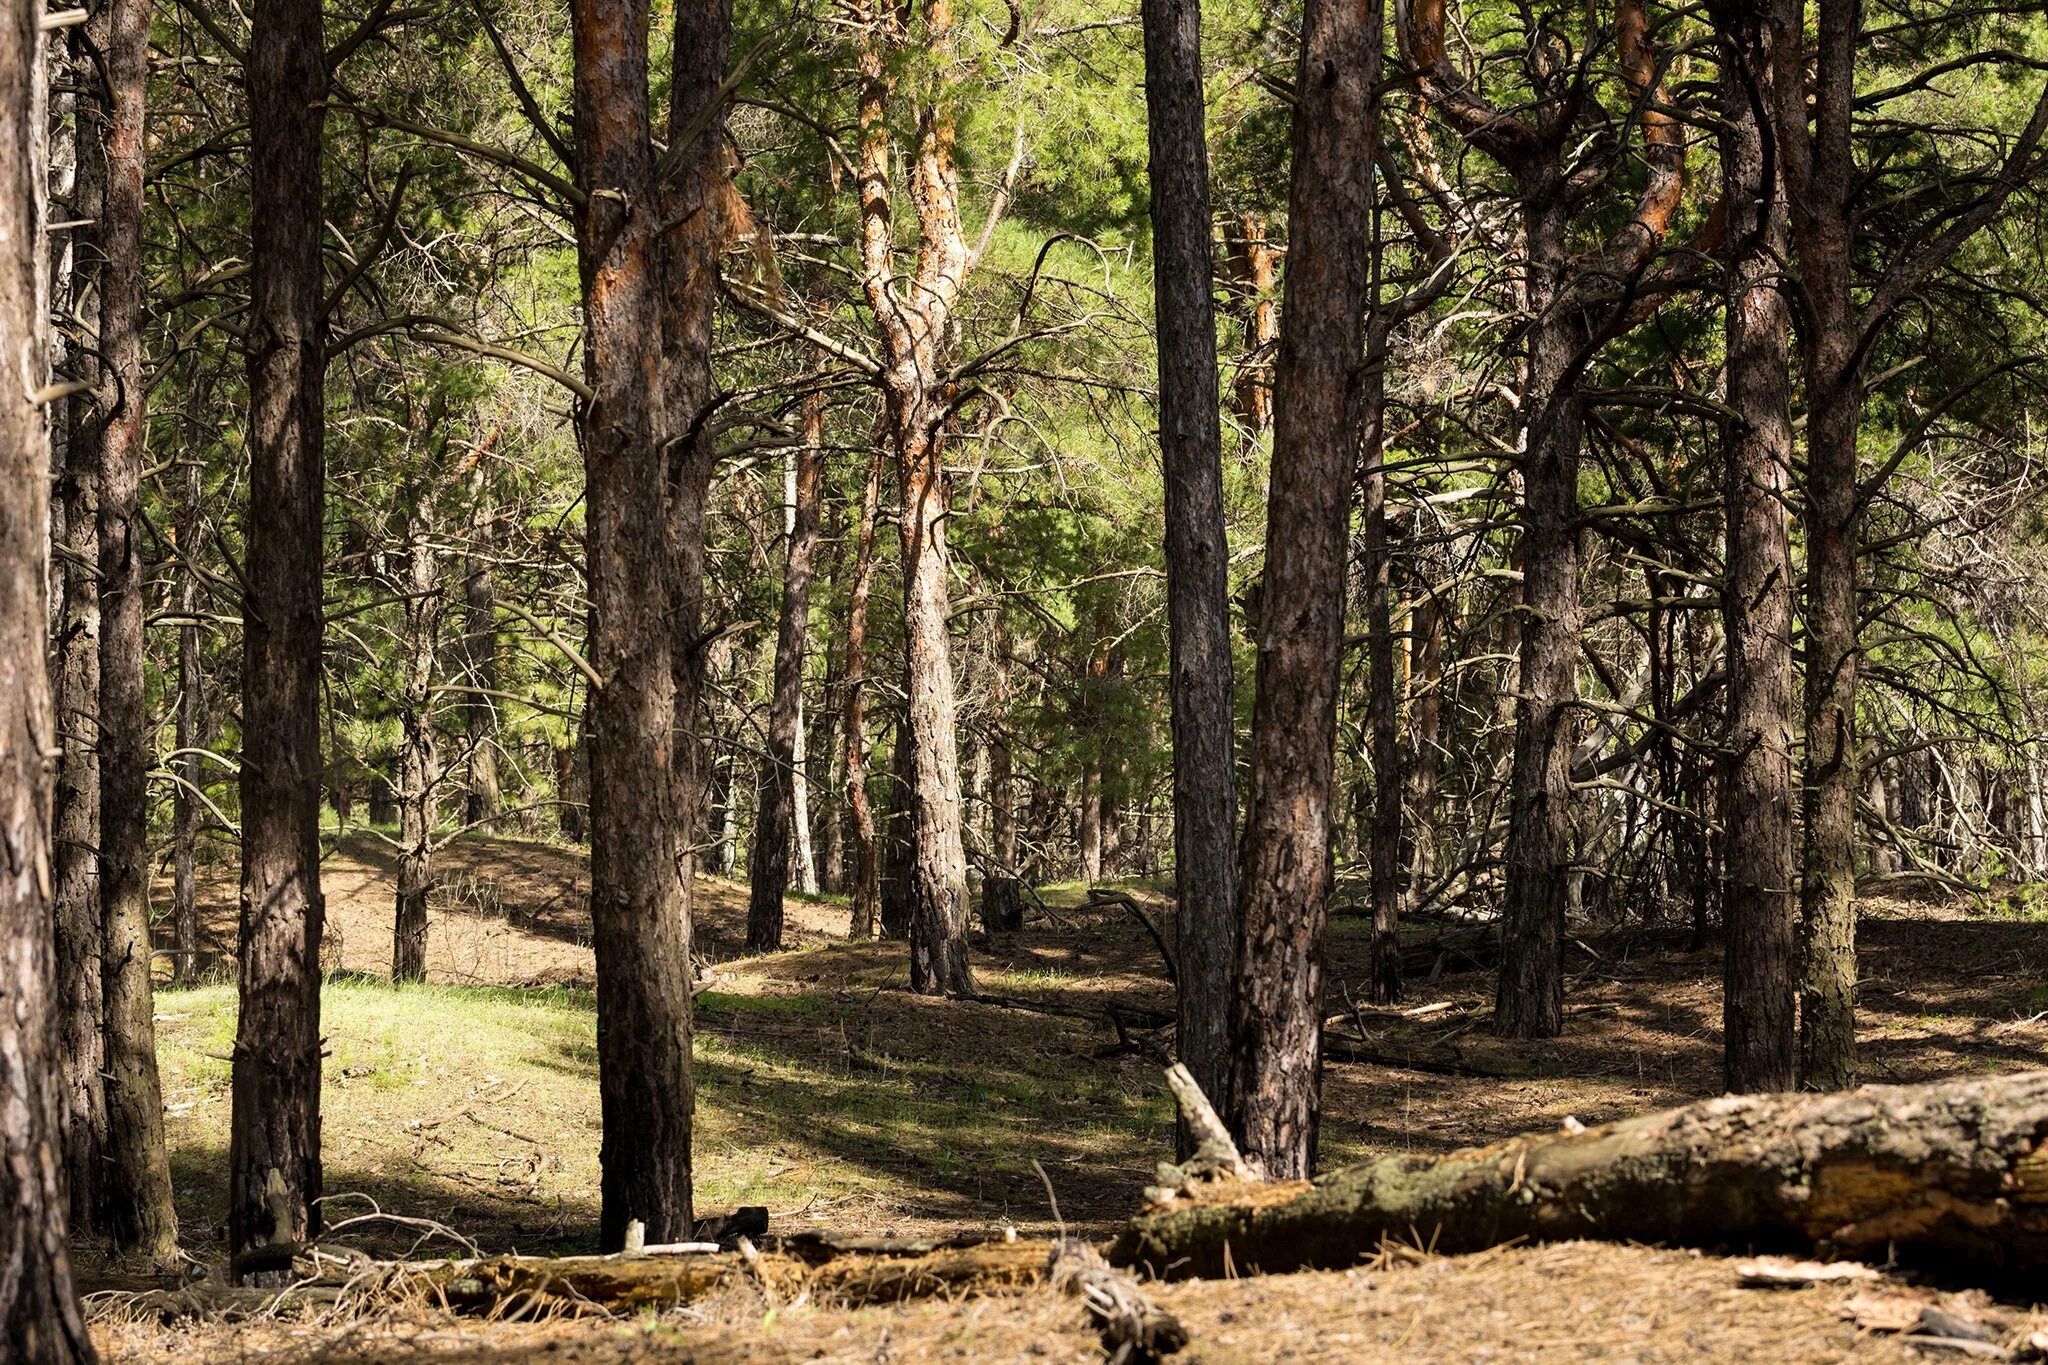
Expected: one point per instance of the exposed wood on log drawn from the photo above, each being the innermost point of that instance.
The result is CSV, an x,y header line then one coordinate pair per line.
x,y
1953,1174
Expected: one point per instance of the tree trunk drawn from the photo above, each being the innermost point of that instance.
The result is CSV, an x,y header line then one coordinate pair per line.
x,y
638,904
1201,679
688,244
480,718
775,814
39,1319
1256,275
1760,1037
274,1143
191,729
1285,865
867,888
139,1212
1382,700
1951,1175
75,672
419,762
896,836
1529,1001
1425,728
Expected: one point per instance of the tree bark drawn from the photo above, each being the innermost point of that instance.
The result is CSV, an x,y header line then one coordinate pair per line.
x,y
1760,1036
480,718
75,671
775,813
140,1216
867,879
1256,276
1201,685
419,759
1382,691
896,837
1952,1174
638,902
1285,865
39,1319
274,1143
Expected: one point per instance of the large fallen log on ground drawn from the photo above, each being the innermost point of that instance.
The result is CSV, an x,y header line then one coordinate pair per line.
x,y
1953,1174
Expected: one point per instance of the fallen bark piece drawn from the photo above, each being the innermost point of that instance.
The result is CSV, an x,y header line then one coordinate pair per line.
x,y
1953,1173
1134,1330
1775,1272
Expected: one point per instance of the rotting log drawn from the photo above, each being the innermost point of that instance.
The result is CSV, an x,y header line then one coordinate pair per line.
x,y
1952,1174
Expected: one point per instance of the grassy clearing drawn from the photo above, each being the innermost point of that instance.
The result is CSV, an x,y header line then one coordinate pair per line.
x,y
478,1106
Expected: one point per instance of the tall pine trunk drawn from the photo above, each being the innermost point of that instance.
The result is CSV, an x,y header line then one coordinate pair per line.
x,y
480,717
274,1138
775,815
75,671
638,903
867,873
419,760
1760,1037
191,728
1201,683
139,1212
1285,865
39,1319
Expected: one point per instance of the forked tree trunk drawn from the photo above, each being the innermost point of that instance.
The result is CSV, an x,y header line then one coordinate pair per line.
x,y
1285,866
1952,1175
1201,682
867,875
274,1140
638,904
419,760
39,1319
1760,1037
75,673
140,1217
775,813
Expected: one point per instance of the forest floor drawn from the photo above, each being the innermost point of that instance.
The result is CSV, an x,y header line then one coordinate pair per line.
x,y
829,1093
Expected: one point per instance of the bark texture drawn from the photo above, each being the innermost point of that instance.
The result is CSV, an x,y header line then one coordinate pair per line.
x,y
1285,869
638,903
274,1143
39,1319
1201,682
1953,1174
419,758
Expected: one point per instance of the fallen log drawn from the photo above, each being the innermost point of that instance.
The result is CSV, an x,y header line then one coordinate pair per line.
x,y
1952,1174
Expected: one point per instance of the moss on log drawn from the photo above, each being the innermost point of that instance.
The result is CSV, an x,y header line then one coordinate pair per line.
x,y
1953,1174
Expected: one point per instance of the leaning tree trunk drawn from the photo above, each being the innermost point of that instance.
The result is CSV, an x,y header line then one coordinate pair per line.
x,y
638,904
274,1139
139,1213
419,761
1760,1037
1201,680
1952,1175
775,813
39,1319
1285,867
867,878
75,672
